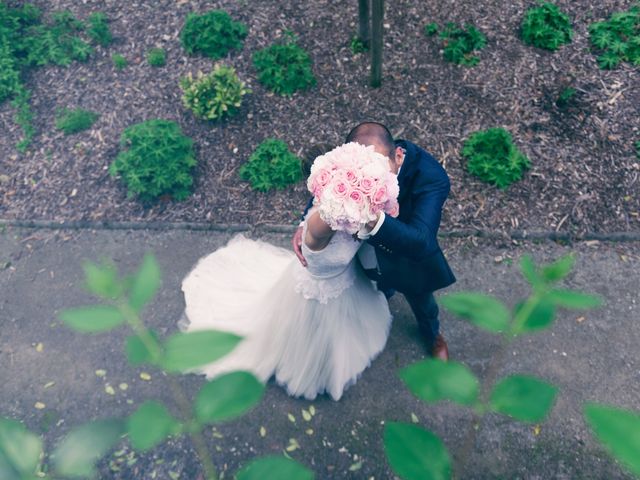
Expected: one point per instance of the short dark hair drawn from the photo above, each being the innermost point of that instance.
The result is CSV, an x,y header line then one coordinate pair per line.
x,y
368,133
314,152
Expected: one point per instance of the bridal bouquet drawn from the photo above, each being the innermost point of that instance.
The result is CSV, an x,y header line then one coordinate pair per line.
x,y
351,184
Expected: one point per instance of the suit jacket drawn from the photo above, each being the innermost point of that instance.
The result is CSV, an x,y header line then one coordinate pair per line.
x,y
409,257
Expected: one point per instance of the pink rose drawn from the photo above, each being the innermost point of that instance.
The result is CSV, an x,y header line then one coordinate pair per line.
x,y
356,197
392,186
352,177
323,177
381,195
367,185
340,189
393,208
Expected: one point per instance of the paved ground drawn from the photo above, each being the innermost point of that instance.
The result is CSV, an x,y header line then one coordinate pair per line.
x,y
592,356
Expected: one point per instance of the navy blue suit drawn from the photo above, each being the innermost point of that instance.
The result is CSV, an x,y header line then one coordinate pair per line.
x,y
407,251
409,257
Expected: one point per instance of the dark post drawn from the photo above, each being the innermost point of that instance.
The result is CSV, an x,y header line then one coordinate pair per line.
x,y
377,16
363,18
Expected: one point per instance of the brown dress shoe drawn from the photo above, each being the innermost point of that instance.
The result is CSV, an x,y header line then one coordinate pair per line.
x,y
440,350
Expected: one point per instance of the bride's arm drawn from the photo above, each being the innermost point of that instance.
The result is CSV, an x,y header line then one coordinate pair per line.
x,y
318,232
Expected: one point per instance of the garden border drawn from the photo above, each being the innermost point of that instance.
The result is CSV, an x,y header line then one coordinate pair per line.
x,y
630,236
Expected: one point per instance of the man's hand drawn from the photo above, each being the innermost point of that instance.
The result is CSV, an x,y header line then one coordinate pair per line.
x,y
296,243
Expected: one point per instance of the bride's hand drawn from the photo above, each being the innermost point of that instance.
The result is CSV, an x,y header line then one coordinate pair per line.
x,y
296,243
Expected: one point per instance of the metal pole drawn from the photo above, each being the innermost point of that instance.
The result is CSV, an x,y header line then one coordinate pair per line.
x,y
377,16
363,20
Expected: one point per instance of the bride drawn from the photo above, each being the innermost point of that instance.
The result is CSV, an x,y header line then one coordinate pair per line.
x,y
315,328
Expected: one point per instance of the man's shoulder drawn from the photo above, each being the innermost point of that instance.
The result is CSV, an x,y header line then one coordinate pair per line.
x,y
418,157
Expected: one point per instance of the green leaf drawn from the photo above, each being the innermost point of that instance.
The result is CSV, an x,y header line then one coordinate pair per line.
x,y
415,453
184,351
529,271
97,318
275,467
523,397
20,450
150,424
227,397
618,430
102,280
137,351
84,445
540,317
145,283
574,300
559,269
433,380
482,310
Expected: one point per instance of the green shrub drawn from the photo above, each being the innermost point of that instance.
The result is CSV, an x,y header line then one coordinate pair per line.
x,y
212,34
215,95
74,121
271,165
157,57
494,158
566,96
57,43
119,61
431,29
617,40
357,45
98,29
157,159
26,42
23,117
461,42
284,67
546,27
638,148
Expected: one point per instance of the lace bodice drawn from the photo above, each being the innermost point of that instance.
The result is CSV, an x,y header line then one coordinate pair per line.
x,y
329,271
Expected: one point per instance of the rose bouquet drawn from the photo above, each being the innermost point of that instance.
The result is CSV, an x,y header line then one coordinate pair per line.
x,y
351,184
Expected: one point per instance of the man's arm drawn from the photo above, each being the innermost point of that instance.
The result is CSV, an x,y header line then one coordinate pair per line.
x,y
415,237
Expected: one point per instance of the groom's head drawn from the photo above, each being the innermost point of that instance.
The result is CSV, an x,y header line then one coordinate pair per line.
x,y
376,134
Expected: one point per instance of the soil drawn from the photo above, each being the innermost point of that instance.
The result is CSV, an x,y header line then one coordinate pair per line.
x,y
584,174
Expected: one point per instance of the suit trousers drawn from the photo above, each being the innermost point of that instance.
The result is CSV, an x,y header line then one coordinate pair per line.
x,y
426,311
423,305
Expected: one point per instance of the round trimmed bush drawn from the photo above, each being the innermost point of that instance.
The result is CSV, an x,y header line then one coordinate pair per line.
x,y
212,34
214,95
156,160
546,27
492,157
271,165
284,67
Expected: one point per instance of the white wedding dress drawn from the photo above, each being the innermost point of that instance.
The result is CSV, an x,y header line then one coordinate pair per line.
x,y
316,328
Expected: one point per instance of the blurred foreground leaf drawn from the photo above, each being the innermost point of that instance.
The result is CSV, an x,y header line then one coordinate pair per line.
x,y
415,453
145,282
150,424
227,397
76,455
523,397
274,467
97,318
433,380
184,351
20,451
619,431
482,310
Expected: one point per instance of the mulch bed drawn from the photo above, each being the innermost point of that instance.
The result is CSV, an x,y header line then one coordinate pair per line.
x,y
584,174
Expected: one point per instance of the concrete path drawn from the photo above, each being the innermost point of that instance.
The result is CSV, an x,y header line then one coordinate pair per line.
x,y
592,356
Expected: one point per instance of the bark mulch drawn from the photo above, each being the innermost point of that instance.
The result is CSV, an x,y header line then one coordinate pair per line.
x,y
584,175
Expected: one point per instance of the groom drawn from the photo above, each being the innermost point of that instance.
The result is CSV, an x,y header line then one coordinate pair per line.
x,y
403,253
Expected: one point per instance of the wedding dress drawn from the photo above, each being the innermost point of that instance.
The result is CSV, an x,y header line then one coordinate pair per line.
x,y
315,328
